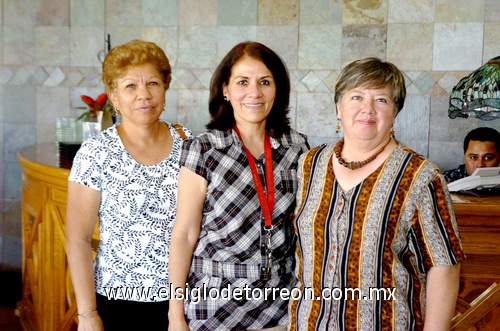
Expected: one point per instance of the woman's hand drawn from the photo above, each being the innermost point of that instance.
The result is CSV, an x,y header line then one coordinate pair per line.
x,y
90,323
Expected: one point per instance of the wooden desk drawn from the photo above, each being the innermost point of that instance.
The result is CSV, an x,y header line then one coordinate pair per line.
x,y
479,297
48,301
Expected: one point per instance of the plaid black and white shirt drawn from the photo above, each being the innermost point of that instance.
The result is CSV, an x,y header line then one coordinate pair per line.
x,y
231,250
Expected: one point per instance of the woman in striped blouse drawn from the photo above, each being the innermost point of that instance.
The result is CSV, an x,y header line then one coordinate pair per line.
x,y
378,246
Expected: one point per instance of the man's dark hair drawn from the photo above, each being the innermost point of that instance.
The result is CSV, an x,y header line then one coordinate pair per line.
x,y
483,134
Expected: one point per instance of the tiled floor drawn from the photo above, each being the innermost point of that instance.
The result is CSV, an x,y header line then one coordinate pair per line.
x,y
10,295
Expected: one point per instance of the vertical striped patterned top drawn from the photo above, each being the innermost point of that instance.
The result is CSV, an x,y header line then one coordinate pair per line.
x,y
385,233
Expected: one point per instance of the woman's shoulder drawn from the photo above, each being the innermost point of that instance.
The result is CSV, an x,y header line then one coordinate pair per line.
x,y
105,142
417,160
208,140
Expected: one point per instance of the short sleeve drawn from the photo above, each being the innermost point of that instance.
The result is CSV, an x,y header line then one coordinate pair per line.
x,y
85,169
192,157
437,227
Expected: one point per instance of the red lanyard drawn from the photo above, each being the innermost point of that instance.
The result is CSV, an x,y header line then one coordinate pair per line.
x,y
267,205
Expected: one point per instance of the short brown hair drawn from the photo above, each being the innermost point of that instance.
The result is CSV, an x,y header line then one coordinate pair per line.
x,y
131,54
374,73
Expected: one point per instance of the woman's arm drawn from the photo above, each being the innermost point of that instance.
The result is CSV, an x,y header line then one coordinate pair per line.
x,y
81,216
442,293
190,202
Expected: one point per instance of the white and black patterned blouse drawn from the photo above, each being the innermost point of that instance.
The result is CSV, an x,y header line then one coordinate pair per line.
x,y
231,247
136,213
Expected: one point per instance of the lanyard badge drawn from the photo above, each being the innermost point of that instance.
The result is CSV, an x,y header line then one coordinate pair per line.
x,y
266,200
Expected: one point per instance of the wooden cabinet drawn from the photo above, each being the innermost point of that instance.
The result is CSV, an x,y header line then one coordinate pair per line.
x,y
48,301
479,298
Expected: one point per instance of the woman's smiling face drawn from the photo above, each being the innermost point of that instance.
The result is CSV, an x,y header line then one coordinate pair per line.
x,y
251,91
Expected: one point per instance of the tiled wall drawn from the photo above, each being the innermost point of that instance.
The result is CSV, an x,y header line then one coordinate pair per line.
x,y
50,50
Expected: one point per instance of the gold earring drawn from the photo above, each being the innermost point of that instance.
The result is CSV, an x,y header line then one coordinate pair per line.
x,y
337,127
393,133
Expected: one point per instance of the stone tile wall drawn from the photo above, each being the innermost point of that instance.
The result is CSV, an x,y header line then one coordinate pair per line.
x,y
50,52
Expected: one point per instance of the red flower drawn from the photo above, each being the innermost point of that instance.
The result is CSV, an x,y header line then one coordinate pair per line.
x,y
101,99
101,103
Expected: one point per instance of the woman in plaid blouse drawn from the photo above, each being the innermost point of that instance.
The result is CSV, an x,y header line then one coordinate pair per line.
x,y
234,268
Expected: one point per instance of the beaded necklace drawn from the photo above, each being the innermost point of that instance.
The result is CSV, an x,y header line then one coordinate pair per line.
x,y
353,165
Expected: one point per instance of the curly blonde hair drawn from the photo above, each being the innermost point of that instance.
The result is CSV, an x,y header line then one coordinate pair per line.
x,y
134,53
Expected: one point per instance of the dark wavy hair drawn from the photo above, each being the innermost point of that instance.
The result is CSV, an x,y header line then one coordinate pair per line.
x,y
221,111
134,53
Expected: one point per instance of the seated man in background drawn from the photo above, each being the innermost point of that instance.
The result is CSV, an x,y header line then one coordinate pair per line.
x,y
481,149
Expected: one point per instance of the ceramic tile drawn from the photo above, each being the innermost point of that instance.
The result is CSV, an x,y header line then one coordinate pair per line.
x,y
87,13
160,13
459,11
12,256
119,35
166,38
319,47
16,136
196,47
314,12
20,12
52,102
73,77
52,45
278,12
53,13
123,12
449,80
363,40
19,112
409,46
411,11
278,39
412,123
18,45
316,113
21,77
457,46
292,110
85,43
1,42
2,110
192,13
365,12
492,10
193,110
236,12
445,154
171,106
424,83
491,37
443,128
229,36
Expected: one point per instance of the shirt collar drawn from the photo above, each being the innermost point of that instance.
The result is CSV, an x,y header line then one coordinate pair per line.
x,y
224,139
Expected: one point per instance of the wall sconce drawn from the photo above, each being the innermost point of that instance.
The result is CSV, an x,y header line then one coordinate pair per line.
x,y
478,94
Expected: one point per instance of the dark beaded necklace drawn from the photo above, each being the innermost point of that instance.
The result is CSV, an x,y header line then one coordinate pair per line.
x,y
353,165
